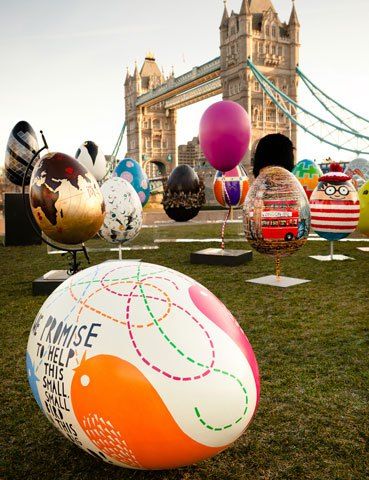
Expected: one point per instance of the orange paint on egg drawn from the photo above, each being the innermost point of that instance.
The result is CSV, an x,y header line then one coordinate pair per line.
x,y
124,416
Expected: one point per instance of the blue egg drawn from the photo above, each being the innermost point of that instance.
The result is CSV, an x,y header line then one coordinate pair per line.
x,y
331,237
131,171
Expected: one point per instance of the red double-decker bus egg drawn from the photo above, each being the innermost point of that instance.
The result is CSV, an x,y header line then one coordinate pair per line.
x,y
280,224
276,213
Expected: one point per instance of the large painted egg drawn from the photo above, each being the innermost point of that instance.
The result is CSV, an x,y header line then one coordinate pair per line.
x,y
91,157
230,188
184,194
66,200
142,366
307,173
358,170
276,213
123,217
334,204
131,171
21,147
363,193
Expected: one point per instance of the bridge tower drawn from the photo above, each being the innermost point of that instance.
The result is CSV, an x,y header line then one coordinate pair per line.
x,y
151,130
257,33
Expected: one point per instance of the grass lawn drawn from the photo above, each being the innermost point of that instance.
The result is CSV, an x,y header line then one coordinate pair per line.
x,y
311,342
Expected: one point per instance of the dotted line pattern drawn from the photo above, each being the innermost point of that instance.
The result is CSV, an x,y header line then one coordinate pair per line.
x,y
172,344
209,368
89,282
139,283
84,304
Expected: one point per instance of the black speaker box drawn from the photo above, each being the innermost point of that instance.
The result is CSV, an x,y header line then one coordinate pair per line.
x,y
18,229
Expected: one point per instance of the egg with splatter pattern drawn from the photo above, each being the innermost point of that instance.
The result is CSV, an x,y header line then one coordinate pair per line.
x,y
131,171
123,218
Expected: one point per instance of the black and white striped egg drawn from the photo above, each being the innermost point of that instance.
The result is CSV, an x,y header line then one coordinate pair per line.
x,y
91,157
21,146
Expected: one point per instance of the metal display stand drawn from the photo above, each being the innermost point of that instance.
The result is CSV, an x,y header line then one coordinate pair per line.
x,y
47,283
98,245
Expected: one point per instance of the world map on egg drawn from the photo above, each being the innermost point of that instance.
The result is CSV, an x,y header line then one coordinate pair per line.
x,y
65,199
142,366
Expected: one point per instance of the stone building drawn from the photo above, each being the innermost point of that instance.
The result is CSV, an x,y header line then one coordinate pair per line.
x,y
273,46
191,153
151,131
256,32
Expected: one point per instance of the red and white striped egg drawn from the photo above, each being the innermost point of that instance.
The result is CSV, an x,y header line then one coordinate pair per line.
x,y
335,209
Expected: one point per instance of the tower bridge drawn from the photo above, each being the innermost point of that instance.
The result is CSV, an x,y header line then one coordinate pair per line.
x,y
198,76
255,33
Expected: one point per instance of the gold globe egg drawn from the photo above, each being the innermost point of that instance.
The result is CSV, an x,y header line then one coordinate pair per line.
x,y
66,200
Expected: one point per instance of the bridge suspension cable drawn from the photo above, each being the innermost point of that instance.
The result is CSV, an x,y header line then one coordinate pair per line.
x,y
344,115
325,131
113,157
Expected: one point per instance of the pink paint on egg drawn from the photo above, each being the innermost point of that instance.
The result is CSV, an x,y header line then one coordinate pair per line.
x,y
127,176
215,310
232,173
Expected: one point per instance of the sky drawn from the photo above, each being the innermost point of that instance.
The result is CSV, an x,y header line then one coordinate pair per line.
x,y
63,63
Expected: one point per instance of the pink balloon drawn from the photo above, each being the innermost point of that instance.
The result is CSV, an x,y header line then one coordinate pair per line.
x,y
225,132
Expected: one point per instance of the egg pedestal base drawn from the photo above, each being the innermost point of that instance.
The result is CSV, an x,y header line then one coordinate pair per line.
x,y
46,284
331,256
219,256
280,281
